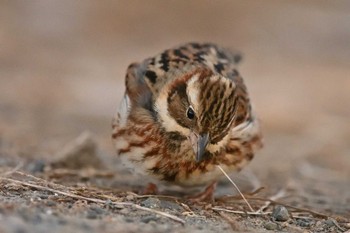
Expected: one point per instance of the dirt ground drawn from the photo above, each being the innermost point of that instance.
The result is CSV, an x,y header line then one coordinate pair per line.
x,y
62,65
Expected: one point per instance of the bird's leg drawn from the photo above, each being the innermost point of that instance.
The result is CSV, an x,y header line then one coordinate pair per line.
x,y
206,195
150,189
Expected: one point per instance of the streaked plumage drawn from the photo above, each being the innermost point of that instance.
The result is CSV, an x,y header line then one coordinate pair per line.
x,y
185,111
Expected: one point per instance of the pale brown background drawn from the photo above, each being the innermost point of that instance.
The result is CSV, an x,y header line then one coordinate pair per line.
x,y
62,67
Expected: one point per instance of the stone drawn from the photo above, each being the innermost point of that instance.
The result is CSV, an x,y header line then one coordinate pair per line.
x,y
270,226
304,222
37,166
280,213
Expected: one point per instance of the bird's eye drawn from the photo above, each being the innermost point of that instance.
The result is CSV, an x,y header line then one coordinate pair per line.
x,y
190,113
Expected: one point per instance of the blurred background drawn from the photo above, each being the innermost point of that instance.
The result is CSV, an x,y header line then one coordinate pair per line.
x,y
62,68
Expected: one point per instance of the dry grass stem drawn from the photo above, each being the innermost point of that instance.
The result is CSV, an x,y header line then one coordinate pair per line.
x,y
13,170
240,212
337,225
152,195
177,219
101,197
315,213
239,191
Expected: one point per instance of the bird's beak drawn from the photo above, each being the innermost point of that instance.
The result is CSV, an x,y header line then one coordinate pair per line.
x,y
199,143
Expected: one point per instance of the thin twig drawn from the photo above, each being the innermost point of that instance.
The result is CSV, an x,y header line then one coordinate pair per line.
x,y
222,170
240,212
157,196
290,206
336,224
303,217
188,211
258,190
177,219
39,179
287,205
13,170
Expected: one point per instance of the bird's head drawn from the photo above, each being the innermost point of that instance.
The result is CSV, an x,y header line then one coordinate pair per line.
x,y
199,105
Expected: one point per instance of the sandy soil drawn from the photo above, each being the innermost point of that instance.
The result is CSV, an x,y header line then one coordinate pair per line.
x,y
62,65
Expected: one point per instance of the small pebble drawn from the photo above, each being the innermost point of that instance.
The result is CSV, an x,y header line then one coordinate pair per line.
x,y
149,218
33,218
44,196
151,202
125,211
118,206
304,222
329,222
270,226
130,197
49,212
91,214
128,219
94,212
62,221
170,205
318,224
280,213
50,203
109,204
37,166
97,210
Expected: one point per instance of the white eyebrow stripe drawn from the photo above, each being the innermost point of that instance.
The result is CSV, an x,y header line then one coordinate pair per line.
x,y
161,106
194,93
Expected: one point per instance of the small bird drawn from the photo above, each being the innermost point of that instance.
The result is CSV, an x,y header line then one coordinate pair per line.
x,y
185,111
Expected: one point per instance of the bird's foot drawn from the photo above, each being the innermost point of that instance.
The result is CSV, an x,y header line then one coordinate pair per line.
x,y
150,189
206,196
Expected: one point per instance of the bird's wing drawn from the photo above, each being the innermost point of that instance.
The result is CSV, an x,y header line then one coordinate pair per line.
x,y
156,71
